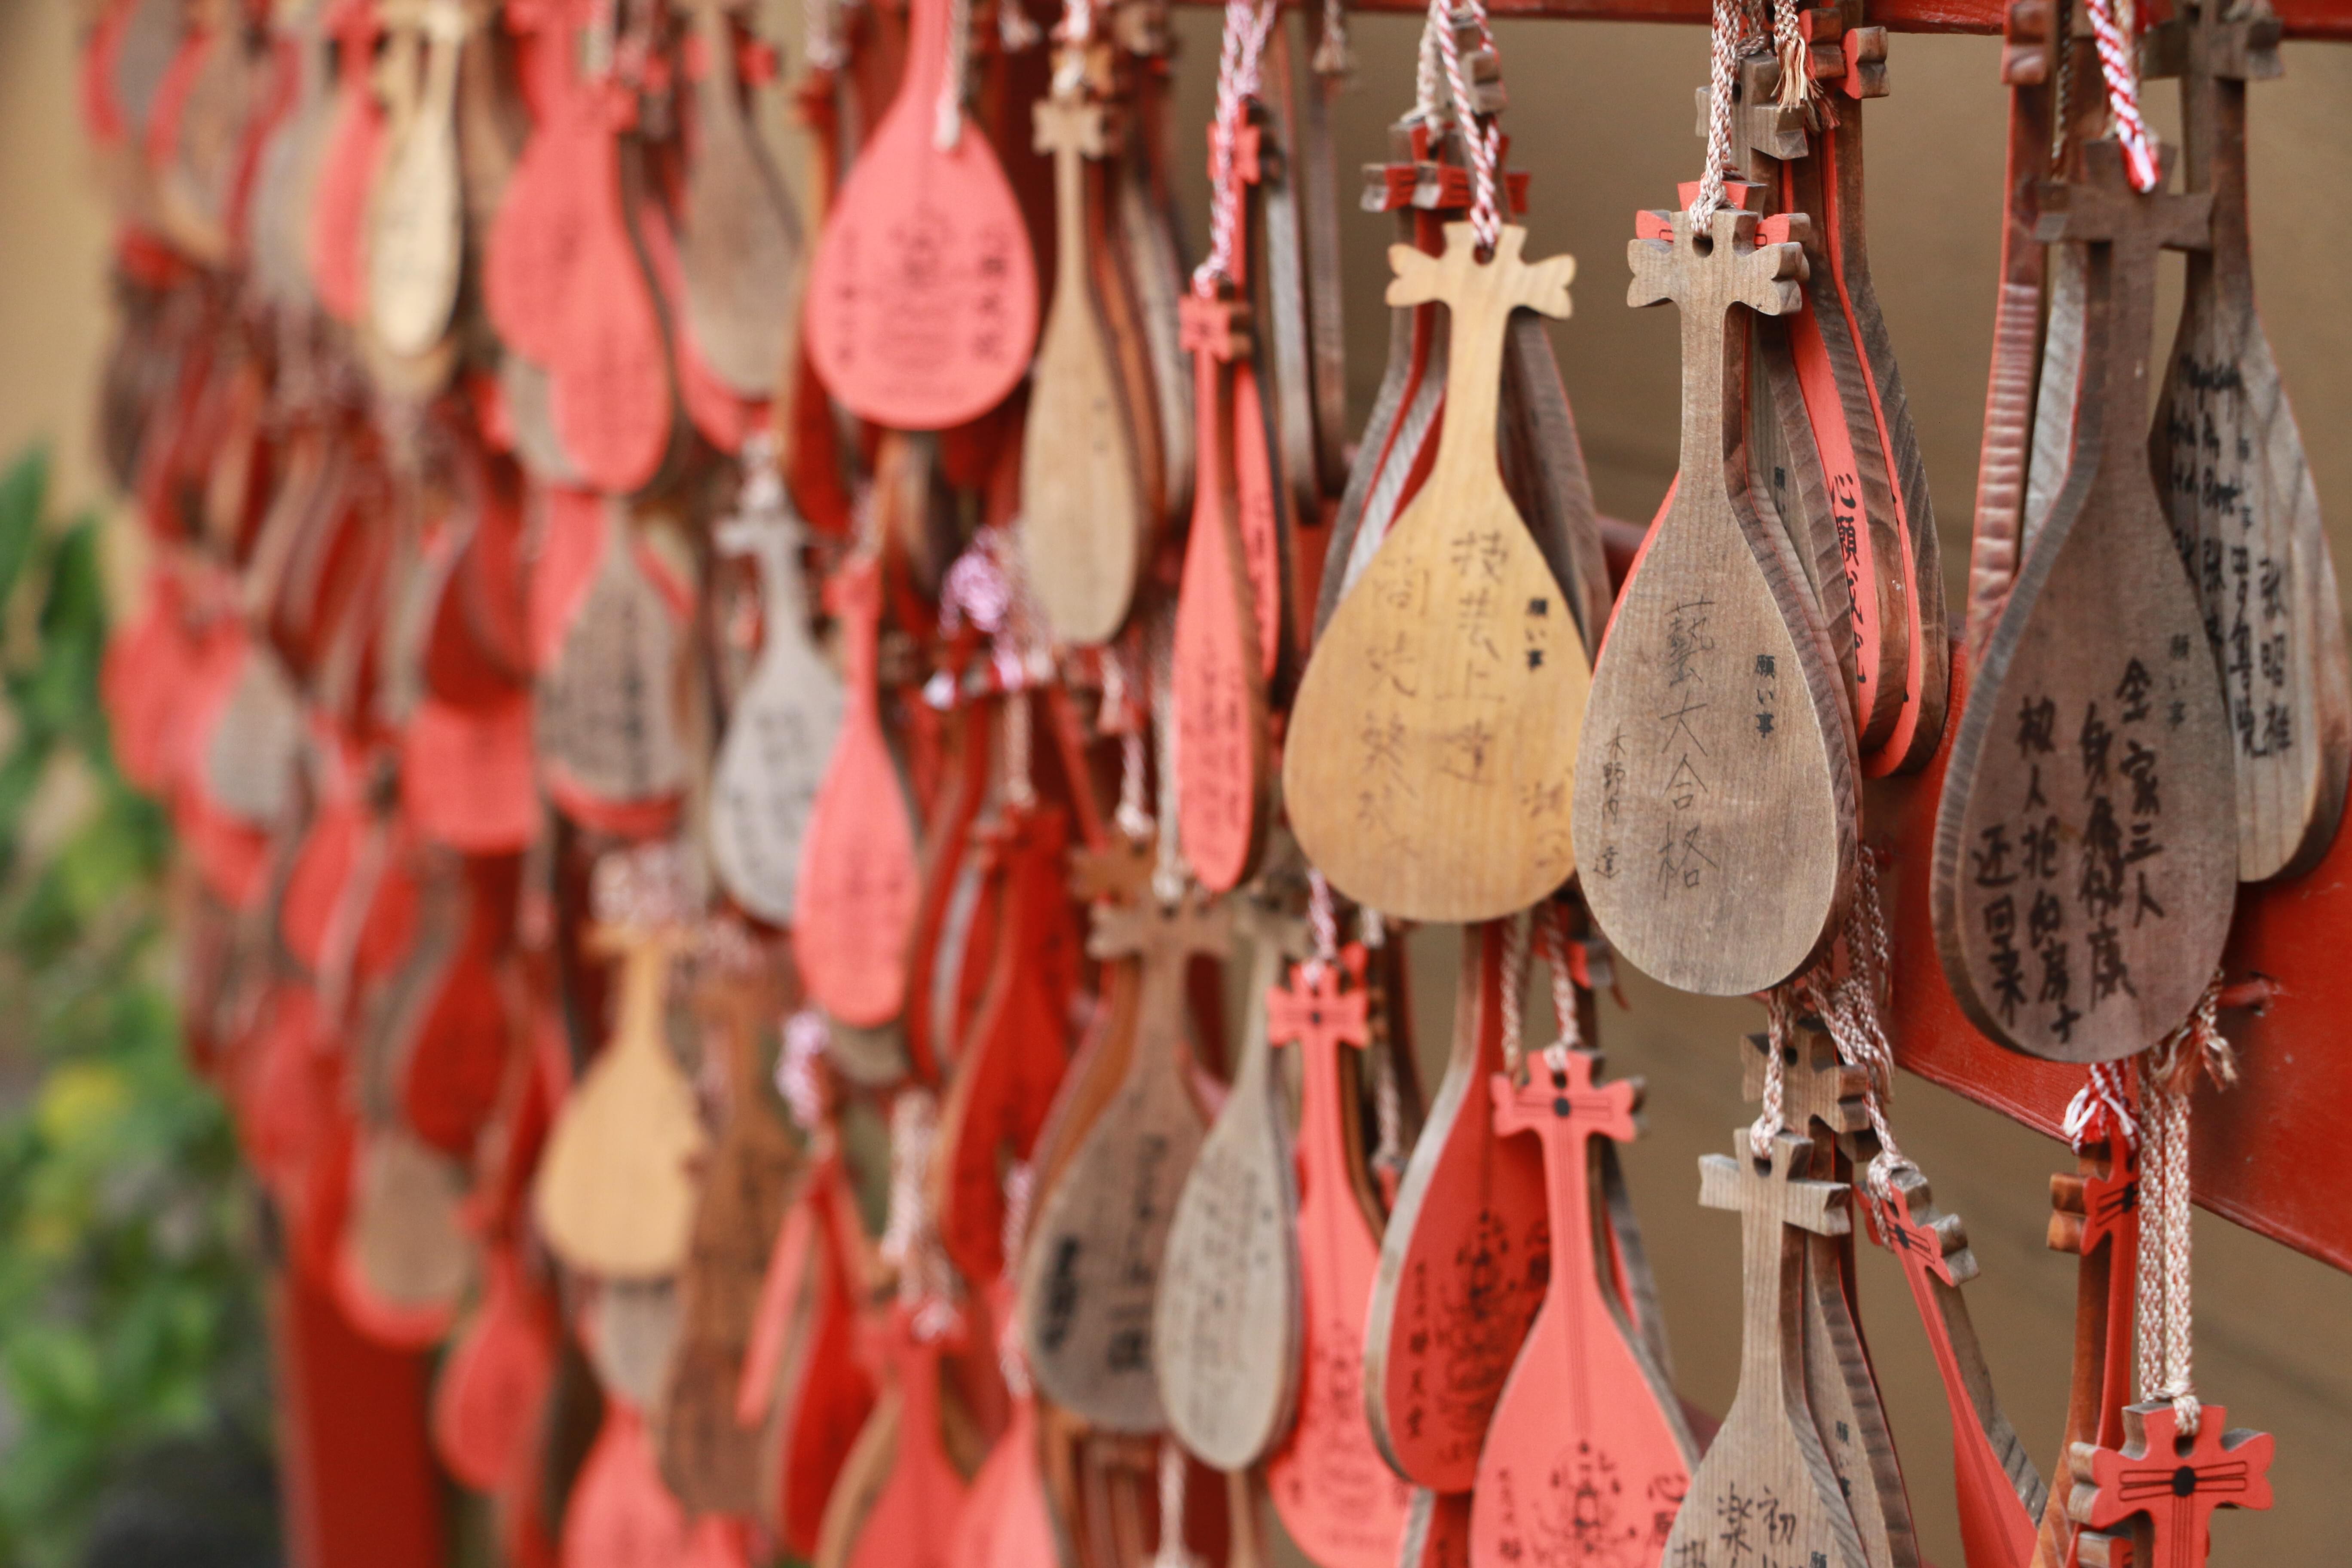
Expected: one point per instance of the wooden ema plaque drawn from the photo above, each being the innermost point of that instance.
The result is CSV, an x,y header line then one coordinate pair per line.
x,y
1714,807
2085,849
1227,1328
1090,1281
738,235
1765,1490
1343,1507
415,233
2239,490
1083,519
1219,699
1588,1456
1462,1261
614,1194
857,863
1427,761
780,734
1005,1521
922,298
620,1516
900,1493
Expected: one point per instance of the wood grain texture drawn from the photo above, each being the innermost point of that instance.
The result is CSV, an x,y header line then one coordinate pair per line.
x,y
739,240
1765,1480
922,297
1090,1281
1226,1328
2231,470
1587,1452
607,724
1082,524
780,731
615,1193
1461,1266
2086,846
1427,764
1715,785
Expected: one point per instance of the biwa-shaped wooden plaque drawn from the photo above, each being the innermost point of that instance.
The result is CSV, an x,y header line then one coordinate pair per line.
x,y
780,734
1005,1523
857,859
1765,1484
1018,1046
1090,1282
1343,1507
2238,487
900,1492
739,241
922,298
1715,784
1588,1455
2094,1214
607,722
492,1387
619,1515
1083,522
2087,841
1431,744
416,232
1462,1261
615,1193
824,1393
1219,679
1227,1331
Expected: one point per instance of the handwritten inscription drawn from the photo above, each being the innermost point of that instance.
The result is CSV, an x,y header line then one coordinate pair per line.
x,y
1577,1508
2080,856
916,292
1749,1527
2242,569
1461,1327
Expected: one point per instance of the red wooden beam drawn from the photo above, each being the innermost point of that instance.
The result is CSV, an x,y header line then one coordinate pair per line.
x,y
360,1487
2261,1153
2303,19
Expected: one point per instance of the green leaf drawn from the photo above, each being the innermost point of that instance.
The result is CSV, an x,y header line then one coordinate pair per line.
x,y
22,489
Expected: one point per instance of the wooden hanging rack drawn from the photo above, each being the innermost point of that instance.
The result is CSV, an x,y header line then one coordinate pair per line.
x,y
2326,19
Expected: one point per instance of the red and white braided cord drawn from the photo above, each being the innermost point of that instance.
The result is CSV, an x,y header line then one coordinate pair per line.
x,y
1246,26
2117,64
1484,140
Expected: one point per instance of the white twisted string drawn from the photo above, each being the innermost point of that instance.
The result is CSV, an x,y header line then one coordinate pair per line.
x,y
2164,1352
1388,1101
799,1076
1020,1195
1733,26
1124,714
1168,881
641,887
2122,71
1333,55
1772,1114
1172,1552
910,1242
1850,1008
820,37
1515,985
1481,136
1238,63
1014,29
1322,924
1552,946
2101,1109
1427,107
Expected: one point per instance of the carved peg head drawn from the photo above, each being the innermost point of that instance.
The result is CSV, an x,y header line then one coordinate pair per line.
x,y
1673,261
1567,1096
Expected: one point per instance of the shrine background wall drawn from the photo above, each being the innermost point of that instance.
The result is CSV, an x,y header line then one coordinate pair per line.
x,y
1603,115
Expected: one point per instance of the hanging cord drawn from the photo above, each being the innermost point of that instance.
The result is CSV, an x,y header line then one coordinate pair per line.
x,y
1733,27
2122,71
800,1072
1020,1195
2101,1110
1479,134
1014,29
1515,984
1322,925
1077,31
1772,1114
1428,108
947,124
1333,57
1851,1007
1552,944
1172,1552
2167,1314
910,1243
1238,63
2062,45
821,36
1124,713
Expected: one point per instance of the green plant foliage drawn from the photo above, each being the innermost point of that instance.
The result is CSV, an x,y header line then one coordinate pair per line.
x,y
128,1312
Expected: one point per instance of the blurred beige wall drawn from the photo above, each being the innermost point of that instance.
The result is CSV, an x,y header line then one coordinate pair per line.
x,y
1602,114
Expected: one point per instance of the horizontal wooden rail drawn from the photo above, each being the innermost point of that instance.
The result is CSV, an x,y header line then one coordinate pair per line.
x,y
2303,19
